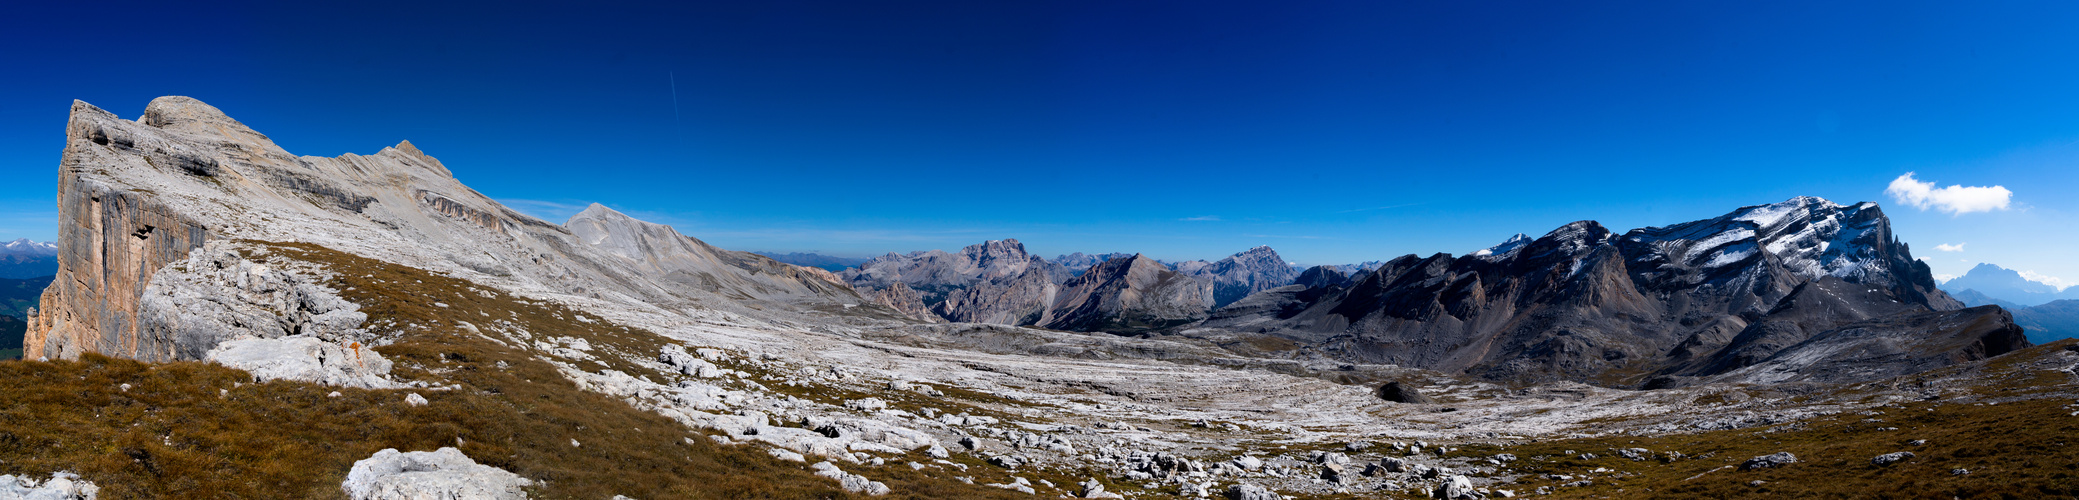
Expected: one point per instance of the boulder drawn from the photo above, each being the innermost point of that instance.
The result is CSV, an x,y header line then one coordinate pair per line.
x,y
1770,461
306,359
1399,392
1890,458
1246,491
1457,488
1248,463
1094,489
850,482
444,473
1394,465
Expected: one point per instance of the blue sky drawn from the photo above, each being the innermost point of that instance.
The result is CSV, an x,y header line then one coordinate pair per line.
x,y
1333,131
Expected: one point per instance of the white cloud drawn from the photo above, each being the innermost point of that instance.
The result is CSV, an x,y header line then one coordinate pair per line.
x,y
1944,278
2047,280
1955,199
1202,218
1951,248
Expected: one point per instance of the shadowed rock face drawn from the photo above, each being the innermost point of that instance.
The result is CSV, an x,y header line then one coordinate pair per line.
x,y
1077,263
1321,277
1583,303
1129,295
1890,346
1398,392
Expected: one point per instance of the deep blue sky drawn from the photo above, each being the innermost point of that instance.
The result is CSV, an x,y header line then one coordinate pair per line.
x,y
1334,132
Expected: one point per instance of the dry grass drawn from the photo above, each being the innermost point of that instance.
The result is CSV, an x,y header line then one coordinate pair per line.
x,y
173,434
2023,447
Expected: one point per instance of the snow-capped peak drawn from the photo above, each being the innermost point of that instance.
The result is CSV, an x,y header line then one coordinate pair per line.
x,y
1770,214
1505,249
26,245
1810,236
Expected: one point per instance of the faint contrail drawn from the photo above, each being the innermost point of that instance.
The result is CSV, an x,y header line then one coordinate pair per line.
x,y
674,97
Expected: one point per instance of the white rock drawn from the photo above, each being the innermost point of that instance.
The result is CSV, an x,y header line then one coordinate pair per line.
x,y
787,455
850,482
1247,491
1249,463
442,474
306,359
415,399
61,486
1457,488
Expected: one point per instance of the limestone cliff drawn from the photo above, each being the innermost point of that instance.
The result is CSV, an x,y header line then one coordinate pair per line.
x,y
110,239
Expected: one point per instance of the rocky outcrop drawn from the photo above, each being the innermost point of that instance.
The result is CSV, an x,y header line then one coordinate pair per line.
x,y
1127,296
901,298
306,359
218,294
850,482
439,474
61,486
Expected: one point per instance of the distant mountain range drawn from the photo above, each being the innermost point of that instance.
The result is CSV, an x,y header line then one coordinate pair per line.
x,y
1737,296
17,296
28,259
2047,313
2050,322
1716,298
1998,285
815,260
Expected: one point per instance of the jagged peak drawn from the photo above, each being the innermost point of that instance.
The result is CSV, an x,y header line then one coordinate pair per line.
x,y
992,245
1581,230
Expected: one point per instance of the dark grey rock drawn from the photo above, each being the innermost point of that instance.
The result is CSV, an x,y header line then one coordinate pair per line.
x,y
1399,392
1769,461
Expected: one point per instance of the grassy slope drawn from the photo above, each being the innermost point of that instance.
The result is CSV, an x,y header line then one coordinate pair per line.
x,y
2019,448
194,430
